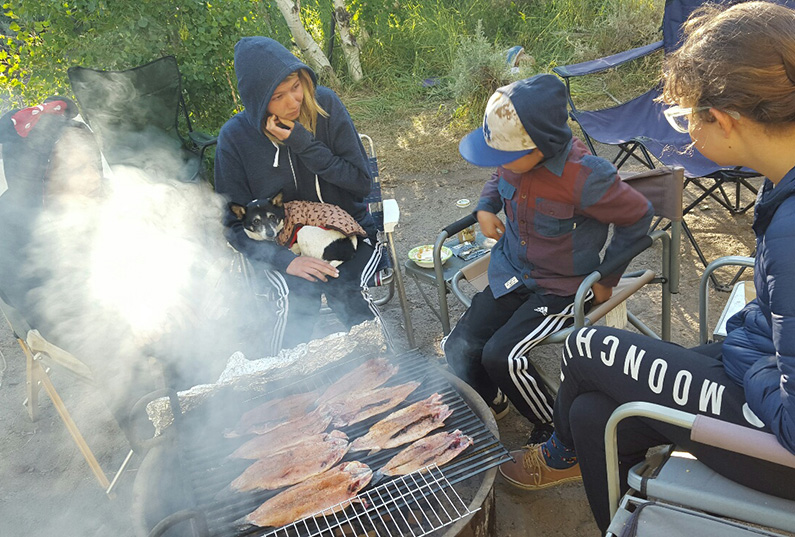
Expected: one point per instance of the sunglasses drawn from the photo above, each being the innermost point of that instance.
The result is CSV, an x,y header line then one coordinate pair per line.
x,y
679,117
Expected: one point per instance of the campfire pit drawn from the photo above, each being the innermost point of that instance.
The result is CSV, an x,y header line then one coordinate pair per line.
x,y
178,484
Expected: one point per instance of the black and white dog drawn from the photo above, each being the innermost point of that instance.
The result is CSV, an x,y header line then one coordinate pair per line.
x,y
264,220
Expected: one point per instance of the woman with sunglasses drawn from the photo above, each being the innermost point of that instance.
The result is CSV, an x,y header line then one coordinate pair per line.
x,y
733,80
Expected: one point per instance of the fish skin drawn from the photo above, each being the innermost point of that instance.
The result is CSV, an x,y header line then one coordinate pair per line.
x,y
316,494
438,449
367,404
294,464
405,425
272,413
284,435
368,376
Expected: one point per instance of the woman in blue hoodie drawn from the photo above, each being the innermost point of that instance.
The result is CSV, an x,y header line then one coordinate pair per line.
x,y
297,138
734,82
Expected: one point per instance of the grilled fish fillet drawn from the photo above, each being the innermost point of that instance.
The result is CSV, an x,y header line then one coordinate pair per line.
x,y
438,449
284,435
404,426
371,374
360,406
316,494
294,464
273,413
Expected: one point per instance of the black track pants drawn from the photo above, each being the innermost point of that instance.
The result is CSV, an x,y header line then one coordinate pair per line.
x,y
489,347
605,367
346,295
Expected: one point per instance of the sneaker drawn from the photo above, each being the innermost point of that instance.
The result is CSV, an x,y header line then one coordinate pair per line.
x,y
500,406
540,434
529,471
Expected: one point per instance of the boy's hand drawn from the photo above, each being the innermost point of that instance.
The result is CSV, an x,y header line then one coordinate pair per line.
x,y
490,225
601,293
311,269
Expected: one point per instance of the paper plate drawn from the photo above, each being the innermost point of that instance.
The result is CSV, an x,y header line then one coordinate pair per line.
x,y
423,255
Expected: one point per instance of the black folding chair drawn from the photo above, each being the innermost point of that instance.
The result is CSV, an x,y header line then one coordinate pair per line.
x,y
141,118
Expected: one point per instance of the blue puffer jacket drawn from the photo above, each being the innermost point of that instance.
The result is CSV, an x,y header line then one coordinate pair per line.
x,y
759,352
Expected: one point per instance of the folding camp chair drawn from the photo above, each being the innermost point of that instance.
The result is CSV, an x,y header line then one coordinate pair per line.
x,y
386,215
640,131
29,163
677,495
43,360
663,187
141,118
679,492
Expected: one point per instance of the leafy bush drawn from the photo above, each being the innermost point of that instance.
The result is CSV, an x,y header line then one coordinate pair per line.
x,y
478,70
404,42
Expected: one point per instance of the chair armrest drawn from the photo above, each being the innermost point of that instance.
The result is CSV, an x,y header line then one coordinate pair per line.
x,y
703,288
202,139
476,273
704,429
603,270
751,442
608,62
391,215
63,358
458,225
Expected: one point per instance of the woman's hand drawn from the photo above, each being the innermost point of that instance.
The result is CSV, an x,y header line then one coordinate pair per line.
x,y
311,269
280,128
601,293
490,225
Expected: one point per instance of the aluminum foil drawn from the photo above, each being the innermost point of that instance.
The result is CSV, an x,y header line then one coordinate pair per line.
x,y
255,375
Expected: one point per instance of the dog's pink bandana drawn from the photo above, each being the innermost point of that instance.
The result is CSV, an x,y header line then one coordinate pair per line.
x,y
26,119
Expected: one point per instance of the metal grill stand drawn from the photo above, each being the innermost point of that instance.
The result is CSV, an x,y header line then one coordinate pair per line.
x,y
413,505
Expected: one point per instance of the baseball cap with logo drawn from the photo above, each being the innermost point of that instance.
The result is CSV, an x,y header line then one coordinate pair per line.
x,y
519,118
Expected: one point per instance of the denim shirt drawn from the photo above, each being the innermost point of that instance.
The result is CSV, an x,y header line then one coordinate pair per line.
x,y
557,218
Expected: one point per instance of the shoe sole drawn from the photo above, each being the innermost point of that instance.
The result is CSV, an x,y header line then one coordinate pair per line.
x,y
525,486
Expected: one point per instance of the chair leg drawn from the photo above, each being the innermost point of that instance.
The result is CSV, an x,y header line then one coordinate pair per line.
x,y
88,455
119,472
404,303
37,375
31,383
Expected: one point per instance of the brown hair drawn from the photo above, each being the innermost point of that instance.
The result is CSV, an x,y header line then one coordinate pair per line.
x,y
740,59
309,107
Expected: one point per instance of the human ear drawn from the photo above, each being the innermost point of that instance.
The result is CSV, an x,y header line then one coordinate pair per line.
x,y
724,120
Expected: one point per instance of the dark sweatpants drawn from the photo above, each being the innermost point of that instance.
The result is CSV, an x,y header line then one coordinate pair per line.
x,y
346,295
605,367
489,347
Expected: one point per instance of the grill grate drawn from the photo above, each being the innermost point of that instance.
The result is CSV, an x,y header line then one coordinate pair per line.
x,y
416,504
413,505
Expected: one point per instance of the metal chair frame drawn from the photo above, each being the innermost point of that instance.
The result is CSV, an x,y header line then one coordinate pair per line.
x,y
447,277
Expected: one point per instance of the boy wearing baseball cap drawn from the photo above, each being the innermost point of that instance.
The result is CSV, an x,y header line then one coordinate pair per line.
x,y
558,201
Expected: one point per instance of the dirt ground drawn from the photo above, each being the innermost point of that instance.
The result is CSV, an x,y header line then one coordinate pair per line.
x,y
47,488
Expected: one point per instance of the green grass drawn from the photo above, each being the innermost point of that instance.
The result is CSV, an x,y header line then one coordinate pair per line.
x,y
462,44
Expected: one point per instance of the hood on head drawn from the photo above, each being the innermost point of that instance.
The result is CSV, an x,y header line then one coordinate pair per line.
x,y
261,64
520,117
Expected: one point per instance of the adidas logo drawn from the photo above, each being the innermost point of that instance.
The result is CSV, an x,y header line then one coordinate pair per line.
x,y
542,310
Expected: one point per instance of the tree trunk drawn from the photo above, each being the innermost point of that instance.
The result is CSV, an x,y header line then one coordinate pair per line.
x,y
350,48
291,11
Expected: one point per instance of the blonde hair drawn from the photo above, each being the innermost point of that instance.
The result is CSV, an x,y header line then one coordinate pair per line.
x,y
310,108
740,59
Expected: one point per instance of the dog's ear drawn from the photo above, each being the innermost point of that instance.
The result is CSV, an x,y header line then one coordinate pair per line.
x,y
239,210
277,200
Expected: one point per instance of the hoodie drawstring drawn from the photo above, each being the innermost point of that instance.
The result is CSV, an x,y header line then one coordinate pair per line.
x,y
276,156
317,189
292,169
